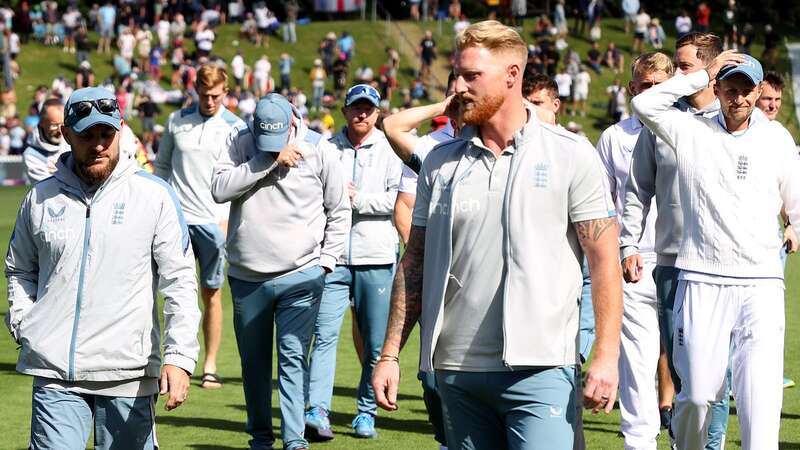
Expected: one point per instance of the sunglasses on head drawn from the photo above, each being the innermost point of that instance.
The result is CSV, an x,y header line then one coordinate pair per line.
x,y
79,110
361,89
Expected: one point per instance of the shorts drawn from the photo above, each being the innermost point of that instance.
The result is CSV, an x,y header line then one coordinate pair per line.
x,y
263,30
580,95
208,244
106,32
638,35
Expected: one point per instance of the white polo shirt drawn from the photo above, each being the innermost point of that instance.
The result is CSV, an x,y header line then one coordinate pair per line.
x,y
408,180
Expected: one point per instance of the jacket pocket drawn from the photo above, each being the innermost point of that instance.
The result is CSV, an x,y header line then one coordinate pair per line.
x,y
453,286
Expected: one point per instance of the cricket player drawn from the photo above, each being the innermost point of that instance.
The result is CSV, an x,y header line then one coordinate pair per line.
x,y
730,290
493,290
640,339
46,143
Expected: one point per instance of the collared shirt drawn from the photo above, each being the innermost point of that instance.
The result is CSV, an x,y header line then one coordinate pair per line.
x,y
472,331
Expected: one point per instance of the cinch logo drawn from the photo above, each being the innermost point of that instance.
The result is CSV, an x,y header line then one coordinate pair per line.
x,y
271,126
60,235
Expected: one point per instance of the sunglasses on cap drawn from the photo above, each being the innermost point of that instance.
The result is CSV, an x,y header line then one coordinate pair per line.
x,y
81,109
363,89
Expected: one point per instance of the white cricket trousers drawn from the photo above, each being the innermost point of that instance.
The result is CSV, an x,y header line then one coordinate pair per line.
x,y
640,344
708,317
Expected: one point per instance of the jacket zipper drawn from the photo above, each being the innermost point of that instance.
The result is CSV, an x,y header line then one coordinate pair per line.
x,y
350,234
87,232
507,245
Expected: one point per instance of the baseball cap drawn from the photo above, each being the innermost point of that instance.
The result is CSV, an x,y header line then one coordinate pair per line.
x,y
362,91
750,67
91,106
271,122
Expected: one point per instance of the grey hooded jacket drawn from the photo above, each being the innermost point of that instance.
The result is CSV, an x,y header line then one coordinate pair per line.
x,y
40,156
82,276
282,219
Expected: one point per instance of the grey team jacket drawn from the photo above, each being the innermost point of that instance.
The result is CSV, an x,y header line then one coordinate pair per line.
x,y
375,171
555,179
82,277
282,219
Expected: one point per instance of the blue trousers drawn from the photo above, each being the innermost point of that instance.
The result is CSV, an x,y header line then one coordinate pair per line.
x,y
666,279
63,420
433,404
516,410
291,302
369,287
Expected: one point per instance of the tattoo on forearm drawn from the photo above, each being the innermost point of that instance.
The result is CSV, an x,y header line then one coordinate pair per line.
x,y
592,230
406,302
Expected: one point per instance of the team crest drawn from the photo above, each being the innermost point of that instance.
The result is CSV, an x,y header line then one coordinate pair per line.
x,y
118,214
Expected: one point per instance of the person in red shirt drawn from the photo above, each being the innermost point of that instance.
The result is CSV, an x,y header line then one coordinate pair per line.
x,y
703,17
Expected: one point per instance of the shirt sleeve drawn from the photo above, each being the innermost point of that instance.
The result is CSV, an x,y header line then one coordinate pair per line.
x,y
639,191
408,181
163,161
337,207
604,150
419,217
22,269
172,253
588,197
235,173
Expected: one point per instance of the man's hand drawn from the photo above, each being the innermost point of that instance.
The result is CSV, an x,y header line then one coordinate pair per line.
x,y
632,267
352,191
790,239
174,381
289,156
726,58
602,378
385,379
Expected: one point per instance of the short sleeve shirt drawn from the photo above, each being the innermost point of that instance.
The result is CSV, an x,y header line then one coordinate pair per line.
x,y
408,180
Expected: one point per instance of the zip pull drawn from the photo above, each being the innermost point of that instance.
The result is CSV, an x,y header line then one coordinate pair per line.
x,y
88,211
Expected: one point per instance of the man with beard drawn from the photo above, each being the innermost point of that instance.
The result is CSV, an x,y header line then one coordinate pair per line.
x,y
730,290
46,143
364,271
498,311
89,248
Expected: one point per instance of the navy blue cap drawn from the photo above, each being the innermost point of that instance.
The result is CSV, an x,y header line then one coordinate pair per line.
x,y
271,122
91,106
362,92
750,67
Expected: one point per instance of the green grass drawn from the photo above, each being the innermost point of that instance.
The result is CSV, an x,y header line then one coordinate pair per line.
x,y
215,419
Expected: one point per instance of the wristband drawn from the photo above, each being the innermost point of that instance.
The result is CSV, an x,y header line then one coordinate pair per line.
x,y
385,357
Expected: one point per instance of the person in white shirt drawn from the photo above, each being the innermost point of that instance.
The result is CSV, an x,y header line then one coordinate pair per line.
x,y
238,67
564,82
581,90
641,22
261,77
204,38
162,31
683,24
640,340
126,43
730,290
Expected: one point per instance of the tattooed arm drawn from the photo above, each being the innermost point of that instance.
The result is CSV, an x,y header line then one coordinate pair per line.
x,y
599,240
406,306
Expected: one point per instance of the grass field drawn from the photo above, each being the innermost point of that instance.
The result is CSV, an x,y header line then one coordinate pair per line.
x,y
215,419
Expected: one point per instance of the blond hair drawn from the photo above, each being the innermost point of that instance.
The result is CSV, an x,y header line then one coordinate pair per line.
x,y
495,37
652,62
212,75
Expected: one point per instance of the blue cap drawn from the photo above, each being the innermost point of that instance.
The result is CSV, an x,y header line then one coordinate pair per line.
x,y
750,67
99,107
271,122
362,92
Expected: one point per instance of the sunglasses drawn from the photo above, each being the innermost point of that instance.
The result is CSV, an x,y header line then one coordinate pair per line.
x,y
79,110
363,89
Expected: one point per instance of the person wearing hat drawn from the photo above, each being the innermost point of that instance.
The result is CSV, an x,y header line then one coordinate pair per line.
x,y
364,271
194,138
288,224
90,246
730,288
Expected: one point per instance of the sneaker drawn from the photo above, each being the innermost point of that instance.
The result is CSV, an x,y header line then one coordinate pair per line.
x,y
364,425
318,426
788,383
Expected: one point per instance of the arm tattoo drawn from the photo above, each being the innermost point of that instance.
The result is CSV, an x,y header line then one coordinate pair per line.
x,y
592,230
406,302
